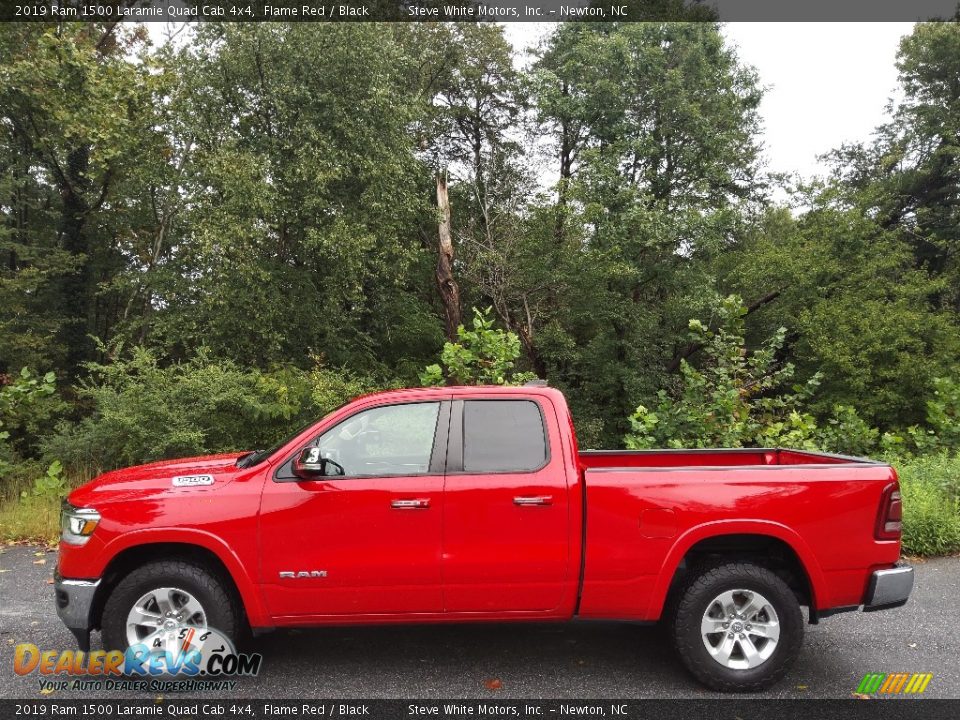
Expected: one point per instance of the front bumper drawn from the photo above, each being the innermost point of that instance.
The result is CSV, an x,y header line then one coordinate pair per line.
x,y
74,600
889,588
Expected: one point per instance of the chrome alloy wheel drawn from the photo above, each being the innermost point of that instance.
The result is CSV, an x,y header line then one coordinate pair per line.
x,y
740,629
162,618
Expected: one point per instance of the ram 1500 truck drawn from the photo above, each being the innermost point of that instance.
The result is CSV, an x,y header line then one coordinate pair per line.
x,y
464,504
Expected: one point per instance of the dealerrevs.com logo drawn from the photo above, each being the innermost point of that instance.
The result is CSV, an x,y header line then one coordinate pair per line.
x,y
898,683
191,659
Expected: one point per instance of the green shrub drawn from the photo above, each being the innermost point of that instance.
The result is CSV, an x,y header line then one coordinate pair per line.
x,y
329,389
144,411
733,399
482,356
847,433
24,405
931,504
51,485
943,413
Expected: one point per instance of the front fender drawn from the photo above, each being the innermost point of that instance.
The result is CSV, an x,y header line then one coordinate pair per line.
x,y
246,587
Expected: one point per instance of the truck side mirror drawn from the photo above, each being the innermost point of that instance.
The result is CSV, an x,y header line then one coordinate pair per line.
x,y
310,465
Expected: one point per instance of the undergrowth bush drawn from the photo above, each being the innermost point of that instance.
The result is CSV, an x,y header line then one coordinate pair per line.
x,y
931,504
145,411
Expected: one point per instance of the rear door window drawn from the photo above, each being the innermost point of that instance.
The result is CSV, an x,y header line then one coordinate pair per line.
x,y
503,436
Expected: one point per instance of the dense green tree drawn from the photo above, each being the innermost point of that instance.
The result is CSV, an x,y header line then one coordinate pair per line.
x,y
865,276
76,114
300,211
909,178
304,199
655,126
857,308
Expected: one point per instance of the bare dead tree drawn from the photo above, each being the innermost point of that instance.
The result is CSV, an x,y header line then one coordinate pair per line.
x,y
446,282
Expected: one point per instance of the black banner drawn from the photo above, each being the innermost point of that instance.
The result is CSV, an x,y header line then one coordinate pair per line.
x,y
473,10
713,709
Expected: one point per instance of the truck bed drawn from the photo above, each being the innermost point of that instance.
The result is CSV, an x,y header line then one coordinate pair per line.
x,y
645,510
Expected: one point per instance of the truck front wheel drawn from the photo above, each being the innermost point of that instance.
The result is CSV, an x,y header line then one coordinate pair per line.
x,y
737,627
155,602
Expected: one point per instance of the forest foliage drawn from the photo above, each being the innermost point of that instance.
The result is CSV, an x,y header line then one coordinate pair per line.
x,y
207,242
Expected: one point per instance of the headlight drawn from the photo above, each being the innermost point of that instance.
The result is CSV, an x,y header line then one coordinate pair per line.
x,y
77,524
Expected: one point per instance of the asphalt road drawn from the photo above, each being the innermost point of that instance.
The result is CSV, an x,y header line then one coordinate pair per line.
x,y
579,660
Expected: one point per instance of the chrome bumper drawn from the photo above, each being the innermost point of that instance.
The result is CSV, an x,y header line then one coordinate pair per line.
x,y
74,600
889,588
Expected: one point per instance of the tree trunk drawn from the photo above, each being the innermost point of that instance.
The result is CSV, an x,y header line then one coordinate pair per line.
x,y
446,283
73,291
566,173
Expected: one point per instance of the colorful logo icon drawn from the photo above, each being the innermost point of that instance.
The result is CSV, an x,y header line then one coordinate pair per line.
x,y
894,683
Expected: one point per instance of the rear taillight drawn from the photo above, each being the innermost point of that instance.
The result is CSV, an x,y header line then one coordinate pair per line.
x,y
889,521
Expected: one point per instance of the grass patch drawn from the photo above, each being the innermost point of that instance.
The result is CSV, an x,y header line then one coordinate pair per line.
x,y
34,520
931,504
36,517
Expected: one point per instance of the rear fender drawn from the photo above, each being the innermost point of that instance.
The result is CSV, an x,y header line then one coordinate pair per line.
x,y
735,527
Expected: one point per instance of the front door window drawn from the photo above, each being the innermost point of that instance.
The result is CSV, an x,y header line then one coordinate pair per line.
x,y
387,440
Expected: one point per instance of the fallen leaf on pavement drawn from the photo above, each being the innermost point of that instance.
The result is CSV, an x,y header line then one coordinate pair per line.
x,y
41,561
861,696
47,691
493,684
49,581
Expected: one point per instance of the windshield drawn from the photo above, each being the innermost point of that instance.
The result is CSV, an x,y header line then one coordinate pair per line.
x,y
258,456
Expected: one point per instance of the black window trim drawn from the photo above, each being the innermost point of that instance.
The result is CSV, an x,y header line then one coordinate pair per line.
x,y
438,452
456,442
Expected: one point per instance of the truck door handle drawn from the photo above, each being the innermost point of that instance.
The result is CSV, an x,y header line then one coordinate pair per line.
x,y
414,504
533,500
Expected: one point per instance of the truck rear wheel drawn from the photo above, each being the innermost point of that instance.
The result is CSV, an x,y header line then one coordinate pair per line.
x,y
154,602
737,627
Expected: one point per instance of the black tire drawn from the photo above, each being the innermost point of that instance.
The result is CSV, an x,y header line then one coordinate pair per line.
x,y
692,603
219,604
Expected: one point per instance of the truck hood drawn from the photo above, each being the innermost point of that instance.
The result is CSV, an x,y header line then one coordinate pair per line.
x,y
158,477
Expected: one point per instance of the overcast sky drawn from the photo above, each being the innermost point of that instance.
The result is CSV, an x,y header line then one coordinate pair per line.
x,y
827,83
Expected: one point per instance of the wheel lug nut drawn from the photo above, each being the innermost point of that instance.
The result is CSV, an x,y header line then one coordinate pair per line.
x,y
742,636
726,625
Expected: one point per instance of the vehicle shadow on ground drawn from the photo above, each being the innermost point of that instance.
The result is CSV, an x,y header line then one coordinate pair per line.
x,y
581,659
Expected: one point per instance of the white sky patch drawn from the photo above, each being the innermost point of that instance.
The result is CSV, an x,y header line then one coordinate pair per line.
x,y
826,83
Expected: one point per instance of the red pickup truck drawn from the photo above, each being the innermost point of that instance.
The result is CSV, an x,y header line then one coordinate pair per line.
x,y
462,504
